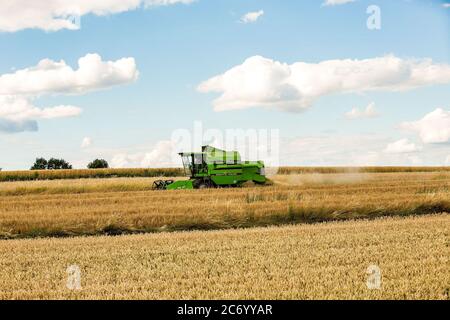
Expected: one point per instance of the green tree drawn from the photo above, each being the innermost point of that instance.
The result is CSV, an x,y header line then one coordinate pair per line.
x,y
39,164
57,164
98,164
52,164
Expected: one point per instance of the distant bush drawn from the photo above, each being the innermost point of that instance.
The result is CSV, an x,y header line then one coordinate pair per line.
x,y
98,164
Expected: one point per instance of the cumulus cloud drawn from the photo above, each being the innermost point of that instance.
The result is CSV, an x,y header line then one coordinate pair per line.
x,y
351,150
401,146
262,82
326,150
50,76
336,2
335,149
252,16
313,150
86,143
368,112
433,128
18,114
162,155
53,15
124,160
317,150
18,90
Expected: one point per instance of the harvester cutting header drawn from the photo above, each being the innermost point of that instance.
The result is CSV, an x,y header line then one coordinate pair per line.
x,y
214,168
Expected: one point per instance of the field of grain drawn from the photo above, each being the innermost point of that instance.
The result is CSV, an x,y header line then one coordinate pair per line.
x,y
128,205
320,261
30,175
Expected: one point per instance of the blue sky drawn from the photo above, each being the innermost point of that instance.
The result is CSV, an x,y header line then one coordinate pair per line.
x,y
177,47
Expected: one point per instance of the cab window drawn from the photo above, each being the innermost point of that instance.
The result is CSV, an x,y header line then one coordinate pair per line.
x,y
198,159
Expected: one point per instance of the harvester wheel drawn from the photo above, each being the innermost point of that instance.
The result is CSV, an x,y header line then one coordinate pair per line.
x,y
203,184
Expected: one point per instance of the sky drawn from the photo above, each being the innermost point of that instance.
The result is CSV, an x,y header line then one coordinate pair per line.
x,y
334,82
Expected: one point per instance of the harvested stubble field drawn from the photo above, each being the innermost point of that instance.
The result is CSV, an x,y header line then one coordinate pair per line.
x,y
321,261
128,205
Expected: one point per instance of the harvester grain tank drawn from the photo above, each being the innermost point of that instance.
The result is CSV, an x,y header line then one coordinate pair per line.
x,y
214,168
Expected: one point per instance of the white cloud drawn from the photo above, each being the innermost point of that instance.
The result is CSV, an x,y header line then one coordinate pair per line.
x,y
331,149
252,16
446,5
53,15
433,128
368,112
262,82
17,109
314,150
336,2
401,146
124,160
86,143
57,77
162,155
18,90
351,150
322,150
415,160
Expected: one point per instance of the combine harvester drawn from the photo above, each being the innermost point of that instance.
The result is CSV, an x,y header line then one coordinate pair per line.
x,y
215,168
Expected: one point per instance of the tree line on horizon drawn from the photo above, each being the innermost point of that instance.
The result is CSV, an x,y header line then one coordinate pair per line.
x,y
60,164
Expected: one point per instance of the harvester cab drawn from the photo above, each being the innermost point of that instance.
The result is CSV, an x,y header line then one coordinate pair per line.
x,y
213,168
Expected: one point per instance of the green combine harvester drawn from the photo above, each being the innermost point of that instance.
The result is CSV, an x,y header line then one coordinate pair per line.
x,y
215,168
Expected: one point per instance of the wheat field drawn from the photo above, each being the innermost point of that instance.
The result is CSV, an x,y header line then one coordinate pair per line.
x,y
30,175
128,205
304,236
320,261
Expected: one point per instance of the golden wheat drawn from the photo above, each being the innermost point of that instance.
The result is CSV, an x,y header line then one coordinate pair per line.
x,y
322,261
28,175
382,169
113,206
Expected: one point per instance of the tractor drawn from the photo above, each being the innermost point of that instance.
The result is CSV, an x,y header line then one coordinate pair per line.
x,y
214,168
